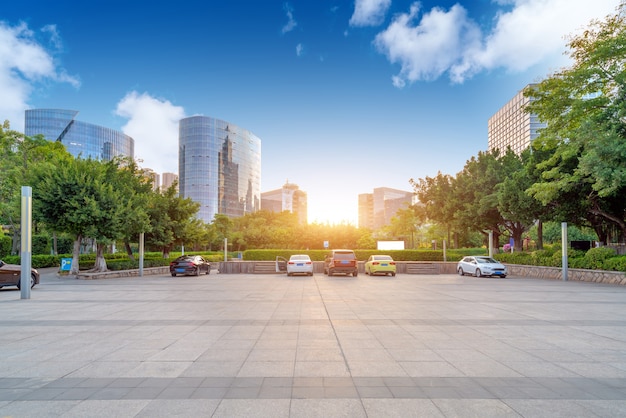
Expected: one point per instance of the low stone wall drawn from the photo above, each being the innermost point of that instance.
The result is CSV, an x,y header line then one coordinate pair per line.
x,y
122,273
403,267
556,273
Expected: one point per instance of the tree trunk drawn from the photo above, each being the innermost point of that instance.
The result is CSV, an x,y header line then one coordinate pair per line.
x,y
101,263
539,235
75,269
518,244
15,249
166,252
129,250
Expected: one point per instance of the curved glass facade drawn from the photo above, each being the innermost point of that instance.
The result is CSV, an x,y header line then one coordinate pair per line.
x,y
219,166
80,139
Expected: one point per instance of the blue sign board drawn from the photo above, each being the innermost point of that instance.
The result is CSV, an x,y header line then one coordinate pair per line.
x,y
66,264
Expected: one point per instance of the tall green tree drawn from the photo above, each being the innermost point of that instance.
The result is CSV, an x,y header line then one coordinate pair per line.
x,y
172,220
584,108
79,198
437,198
20,158
136,190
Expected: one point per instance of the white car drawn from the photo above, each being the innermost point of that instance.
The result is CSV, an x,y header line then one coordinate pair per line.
x,y
299,264
481,266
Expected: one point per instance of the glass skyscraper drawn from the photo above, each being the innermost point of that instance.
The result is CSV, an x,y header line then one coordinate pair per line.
x,y
219,166
80,139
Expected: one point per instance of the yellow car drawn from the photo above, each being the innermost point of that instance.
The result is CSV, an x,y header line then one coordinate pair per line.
x,y
380,264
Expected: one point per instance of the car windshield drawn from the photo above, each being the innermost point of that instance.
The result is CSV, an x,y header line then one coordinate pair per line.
x,y
344,256
486,260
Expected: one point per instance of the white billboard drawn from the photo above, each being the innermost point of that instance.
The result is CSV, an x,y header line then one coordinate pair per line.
x,y
390,245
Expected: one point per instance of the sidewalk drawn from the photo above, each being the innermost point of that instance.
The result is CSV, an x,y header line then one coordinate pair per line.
x,y
278,346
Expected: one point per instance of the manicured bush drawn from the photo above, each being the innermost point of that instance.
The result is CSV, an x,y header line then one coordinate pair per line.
x,y
595,257
37,261
615,263
5,245
41,244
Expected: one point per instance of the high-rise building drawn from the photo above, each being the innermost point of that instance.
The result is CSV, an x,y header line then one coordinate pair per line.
x,y
366,210
512,126
154,176
81,139
288,198
377,209
167,179
219,167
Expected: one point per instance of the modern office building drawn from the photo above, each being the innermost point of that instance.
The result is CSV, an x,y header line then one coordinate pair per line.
x,y
81,139
167,179
219,166
366,211
288,198
512,126
378,208
154,176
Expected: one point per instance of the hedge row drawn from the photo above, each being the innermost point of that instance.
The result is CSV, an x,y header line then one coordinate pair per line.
x,y
117,261
594,259
398,255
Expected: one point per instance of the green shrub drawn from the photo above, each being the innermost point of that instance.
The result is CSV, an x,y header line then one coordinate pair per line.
x,y
615,263
595,257
37,261
133,265
41,244
515,258
5,245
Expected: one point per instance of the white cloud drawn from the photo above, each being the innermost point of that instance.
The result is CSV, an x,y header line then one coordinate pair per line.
x,y
153,124
449,42
428,50
291,22
299,50
369,12
24,62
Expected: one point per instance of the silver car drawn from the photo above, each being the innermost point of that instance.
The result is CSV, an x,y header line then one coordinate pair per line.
x,y
481,266
299,264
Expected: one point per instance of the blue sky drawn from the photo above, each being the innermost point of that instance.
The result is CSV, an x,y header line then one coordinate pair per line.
x,y
345,95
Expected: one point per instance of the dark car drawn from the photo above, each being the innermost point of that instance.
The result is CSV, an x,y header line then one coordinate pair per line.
x,y
190,264
341,261
11,274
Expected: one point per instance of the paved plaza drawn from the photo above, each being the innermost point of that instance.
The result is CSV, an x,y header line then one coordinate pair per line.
x,y
275,346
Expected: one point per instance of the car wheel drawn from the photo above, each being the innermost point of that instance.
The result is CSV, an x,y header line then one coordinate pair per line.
x,y
356,273
461,273
32,282
330,272
393,274
477,273
208,271
173,274
503,276
198,271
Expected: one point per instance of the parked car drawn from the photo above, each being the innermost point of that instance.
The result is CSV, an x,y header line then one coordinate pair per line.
x,y
299,264
481,266
190,264
380,264
341,261
11,275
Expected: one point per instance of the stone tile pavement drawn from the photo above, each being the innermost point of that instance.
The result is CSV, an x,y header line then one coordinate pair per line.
x,y
278,346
